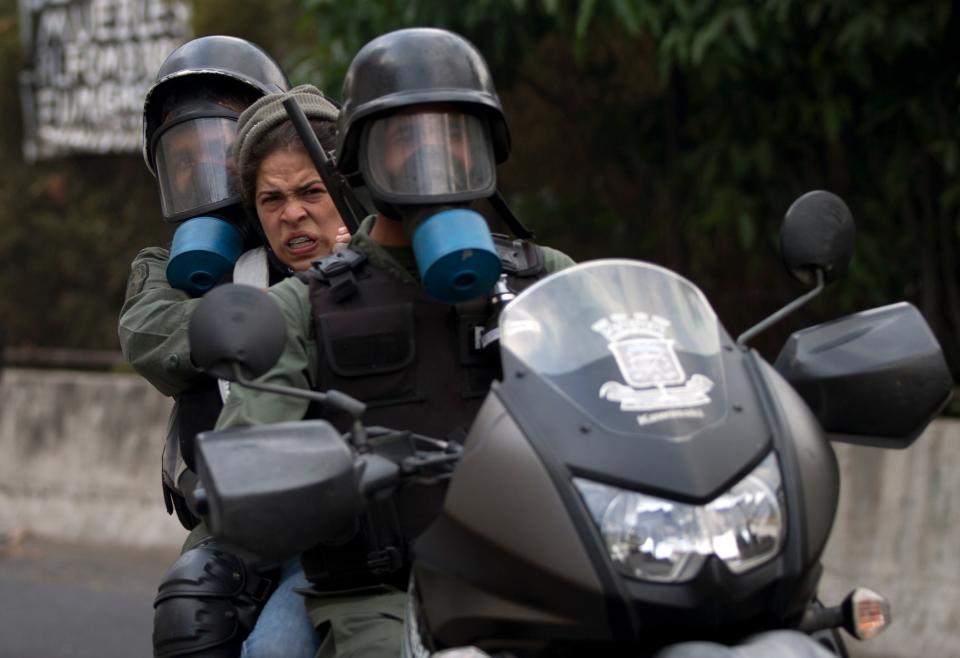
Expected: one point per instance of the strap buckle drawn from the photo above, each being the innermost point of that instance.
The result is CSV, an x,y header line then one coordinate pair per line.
x,y
337,270
386,560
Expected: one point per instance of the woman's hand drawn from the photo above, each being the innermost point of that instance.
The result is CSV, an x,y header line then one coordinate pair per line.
x,y
342,239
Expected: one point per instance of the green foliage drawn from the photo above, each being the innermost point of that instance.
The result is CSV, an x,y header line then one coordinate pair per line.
x,y
330,32
680,131
68,229
675,131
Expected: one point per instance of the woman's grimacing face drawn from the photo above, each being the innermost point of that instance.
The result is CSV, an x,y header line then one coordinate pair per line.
x,y
297,214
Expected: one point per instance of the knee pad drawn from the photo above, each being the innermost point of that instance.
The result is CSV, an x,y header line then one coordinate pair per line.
x,y
206,604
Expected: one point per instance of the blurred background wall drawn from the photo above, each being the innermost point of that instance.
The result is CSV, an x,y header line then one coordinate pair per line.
x,y
79,459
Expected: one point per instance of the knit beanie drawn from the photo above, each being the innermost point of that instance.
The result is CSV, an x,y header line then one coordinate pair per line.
x,y
268,112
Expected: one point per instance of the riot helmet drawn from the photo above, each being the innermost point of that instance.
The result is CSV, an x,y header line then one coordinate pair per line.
x,y
190,116
189,126
422,126
402,72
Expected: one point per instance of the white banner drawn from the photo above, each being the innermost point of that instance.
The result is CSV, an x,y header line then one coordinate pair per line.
x,y
89,64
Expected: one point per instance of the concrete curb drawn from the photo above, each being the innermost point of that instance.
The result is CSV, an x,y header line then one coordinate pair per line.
x,y
897,532
80,458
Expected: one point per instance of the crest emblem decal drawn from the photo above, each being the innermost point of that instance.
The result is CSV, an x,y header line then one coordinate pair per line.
x,y
655,379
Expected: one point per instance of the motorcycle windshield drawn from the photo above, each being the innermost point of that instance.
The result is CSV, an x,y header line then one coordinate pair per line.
x,y
632,345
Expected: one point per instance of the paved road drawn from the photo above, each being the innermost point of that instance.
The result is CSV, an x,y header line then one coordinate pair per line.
x,y
62,600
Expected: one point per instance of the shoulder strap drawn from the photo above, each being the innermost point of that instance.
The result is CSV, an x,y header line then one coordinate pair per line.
x,y
521,258
252,269
337,271
512,221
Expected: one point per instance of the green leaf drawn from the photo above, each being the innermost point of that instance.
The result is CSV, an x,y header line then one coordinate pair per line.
x,y
746,233
627,13
650,14
744,25
584,16
551,7
706,38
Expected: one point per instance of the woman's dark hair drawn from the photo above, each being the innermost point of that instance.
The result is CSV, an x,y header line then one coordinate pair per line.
x,y
282,137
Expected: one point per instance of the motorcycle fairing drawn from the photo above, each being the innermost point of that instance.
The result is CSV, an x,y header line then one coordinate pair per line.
x,y
481,565
630,343
513,559
621,369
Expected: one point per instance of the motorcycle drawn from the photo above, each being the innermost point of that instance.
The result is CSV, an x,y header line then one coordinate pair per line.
x,y
636,479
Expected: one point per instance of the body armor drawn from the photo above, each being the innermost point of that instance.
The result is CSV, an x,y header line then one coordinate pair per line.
x,y
418,365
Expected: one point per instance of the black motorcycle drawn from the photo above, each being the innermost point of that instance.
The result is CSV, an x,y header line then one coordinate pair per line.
x,y
636,479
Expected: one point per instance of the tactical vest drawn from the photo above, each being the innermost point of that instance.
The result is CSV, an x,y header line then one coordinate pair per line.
x,y
413,360
417,365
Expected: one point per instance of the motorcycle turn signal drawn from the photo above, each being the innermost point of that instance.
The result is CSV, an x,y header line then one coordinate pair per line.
x,y
864,614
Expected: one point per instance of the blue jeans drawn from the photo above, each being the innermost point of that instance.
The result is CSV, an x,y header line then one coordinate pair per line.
x,y
283,629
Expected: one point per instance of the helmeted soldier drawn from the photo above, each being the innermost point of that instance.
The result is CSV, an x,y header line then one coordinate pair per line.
x,y
400,319
189,125
211,596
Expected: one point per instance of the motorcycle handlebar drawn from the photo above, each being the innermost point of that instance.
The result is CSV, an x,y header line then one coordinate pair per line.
x,y
376,473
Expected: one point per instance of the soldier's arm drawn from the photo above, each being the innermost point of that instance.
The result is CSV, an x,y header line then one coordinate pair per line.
x,y
153,325
554,261
295,367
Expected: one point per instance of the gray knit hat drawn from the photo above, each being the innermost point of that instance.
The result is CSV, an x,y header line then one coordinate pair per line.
x,y
268,112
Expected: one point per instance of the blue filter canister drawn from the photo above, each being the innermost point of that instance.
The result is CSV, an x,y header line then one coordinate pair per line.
x,y
455,255
203,250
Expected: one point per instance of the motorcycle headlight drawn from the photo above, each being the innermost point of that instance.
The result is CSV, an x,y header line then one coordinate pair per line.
x,y
660,540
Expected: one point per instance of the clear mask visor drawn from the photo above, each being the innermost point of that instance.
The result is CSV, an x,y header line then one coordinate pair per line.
x,y
415,157
195,165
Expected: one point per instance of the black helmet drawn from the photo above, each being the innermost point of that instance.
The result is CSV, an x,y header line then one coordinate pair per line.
x,y
222,61
412,67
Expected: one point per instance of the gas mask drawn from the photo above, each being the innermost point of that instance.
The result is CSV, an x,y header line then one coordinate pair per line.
x,y
192,150
424,167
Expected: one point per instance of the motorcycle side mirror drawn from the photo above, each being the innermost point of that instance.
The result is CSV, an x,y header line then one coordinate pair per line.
x,y
236,330
816,246
237,333
817,236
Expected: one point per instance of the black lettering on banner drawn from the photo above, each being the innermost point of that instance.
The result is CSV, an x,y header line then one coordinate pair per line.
x,y
89,65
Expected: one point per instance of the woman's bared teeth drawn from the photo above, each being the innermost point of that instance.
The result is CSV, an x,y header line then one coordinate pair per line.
x,y
299,241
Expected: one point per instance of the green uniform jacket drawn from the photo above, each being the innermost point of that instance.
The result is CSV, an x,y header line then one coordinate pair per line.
x,y
153,325
297,364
